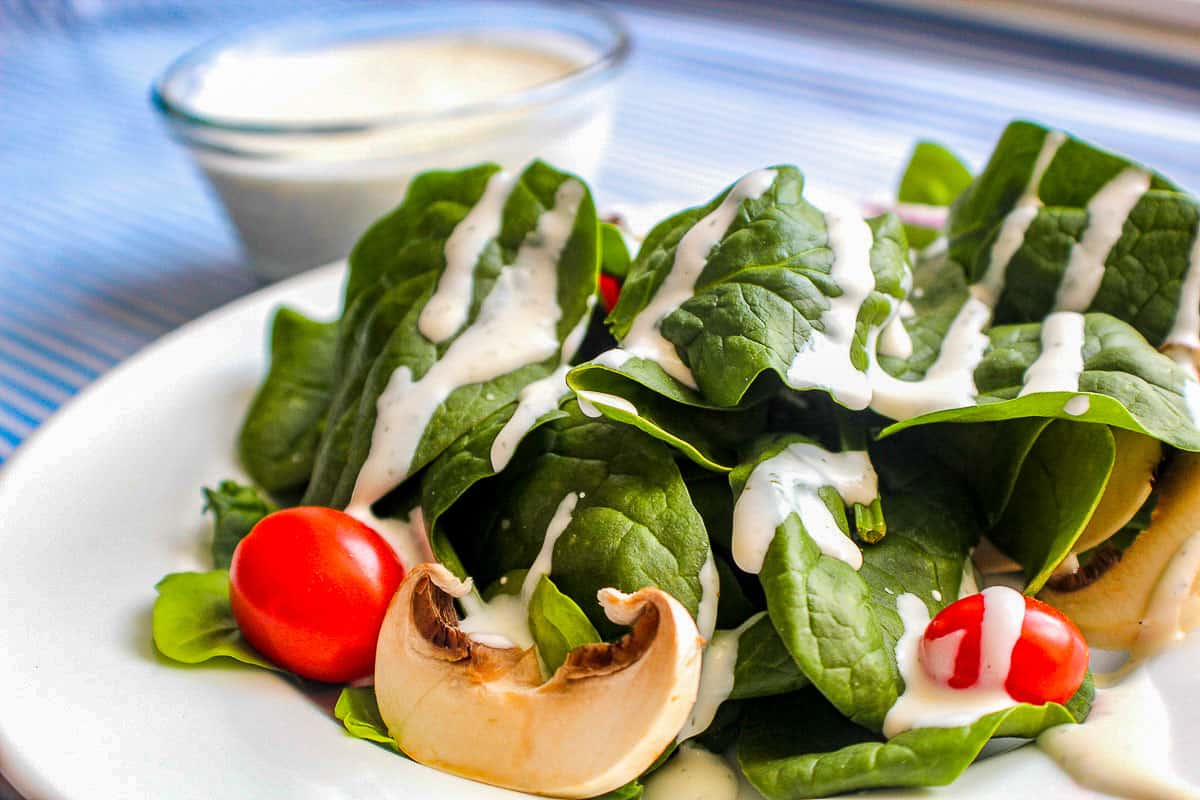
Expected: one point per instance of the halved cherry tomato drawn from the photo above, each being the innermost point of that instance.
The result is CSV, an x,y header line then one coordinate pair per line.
x,y
309,587
610,290
1049,659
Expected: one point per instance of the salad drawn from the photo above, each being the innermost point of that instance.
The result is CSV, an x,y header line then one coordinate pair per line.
x,y
583,513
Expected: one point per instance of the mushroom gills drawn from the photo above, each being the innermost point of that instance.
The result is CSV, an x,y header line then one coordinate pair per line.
x,y
483,712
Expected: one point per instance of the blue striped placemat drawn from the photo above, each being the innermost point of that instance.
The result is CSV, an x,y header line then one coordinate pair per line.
x,y
108,238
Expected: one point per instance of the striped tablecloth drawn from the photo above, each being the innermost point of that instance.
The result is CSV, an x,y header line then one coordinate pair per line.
x,y
108,239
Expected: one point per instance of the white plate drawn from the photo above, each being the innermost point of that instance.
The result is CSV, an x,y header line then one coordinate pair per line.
x,y
105,499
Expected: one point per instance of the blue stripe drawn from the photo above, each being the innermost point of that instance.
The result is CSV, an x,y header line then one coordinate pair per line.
x,y
110,238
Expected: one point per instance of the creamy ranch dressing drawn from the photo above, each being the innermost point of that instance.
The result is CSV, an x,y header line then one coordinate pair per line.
x,y
1016,223
927,702
1107,212
710,597
1124,747
1174,608
1191,385
1058,367
439,72
446,311
539,398
589,400
1185,331
644,338
693,774
716,677
950,380
408,538
825,361
1080,404
894,340
504,620
788,483
516,326
613,359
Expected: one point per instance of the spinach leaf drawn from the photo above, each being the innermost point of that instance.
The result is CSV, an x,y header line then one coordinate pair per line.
x,y
394,271
736,604
800,746
822,609
764,666
1128,384
841,625
614,253
1145,268
1077,171
760,297
466,462
634,524
278,440
236,509
989,455
709,437
193,622
1059,487
934,176
359,713
630,791
557,624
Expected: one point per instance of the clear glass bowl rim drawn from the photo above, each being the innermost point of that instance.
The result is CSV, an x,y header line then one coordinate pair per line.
x,y
604,66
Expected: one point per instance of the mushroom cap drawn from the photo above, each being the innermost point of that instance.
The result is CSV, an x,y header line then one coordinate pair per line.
x,y
484,713
1110,611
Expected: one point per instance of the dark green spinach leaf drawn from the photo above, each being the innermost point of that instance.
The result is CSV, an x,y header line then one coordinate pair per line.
x,y
236,509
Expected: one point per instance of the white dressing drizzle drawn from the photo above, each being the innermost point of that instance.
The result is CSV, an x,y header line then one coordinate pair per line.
x,y
516,326
788,483
929,703
693,773
710,597
538,398
1185,331
1078,405
950,380
716,678
504,620
1124,747
408,538
1174,607
589,400
1186,359
1016,223
894,340
1058,367
447,308
644,338
825,361
1107,212
613,359
967,585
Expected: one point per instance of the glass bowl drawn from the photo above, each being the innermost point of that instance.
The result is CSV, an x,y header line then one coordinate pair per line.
x,y
301,183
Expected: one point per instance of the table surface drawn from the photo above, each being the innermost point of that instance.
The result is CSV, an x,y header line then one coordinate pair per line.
x,y
108,239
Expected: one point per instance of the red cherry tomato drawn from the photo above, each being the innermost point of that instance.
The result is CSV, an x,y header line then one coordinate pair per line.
x,y
1049,659
309,587
610,291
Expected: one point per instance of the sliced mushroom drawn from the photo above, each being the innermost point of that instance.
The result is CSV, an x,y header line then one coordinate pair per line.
x,y
1129,485
1109,611
483,712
